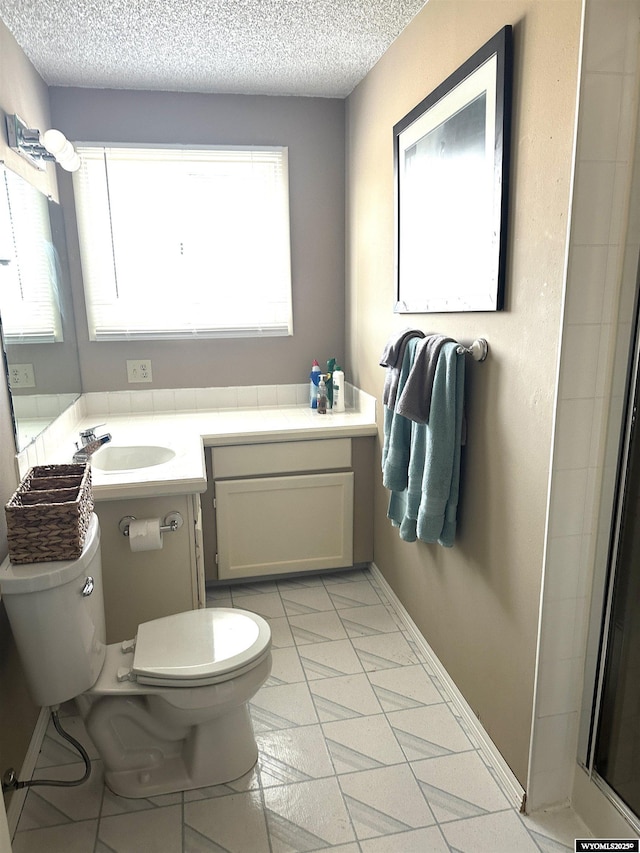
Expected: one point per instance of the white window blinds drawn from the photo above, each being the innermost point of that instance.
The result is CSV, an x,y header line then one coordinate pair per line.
x,y
29,270
184,243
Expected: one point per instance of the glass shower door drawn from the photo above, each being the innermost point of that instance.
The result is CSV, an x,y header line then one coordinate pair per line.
x,y
616,733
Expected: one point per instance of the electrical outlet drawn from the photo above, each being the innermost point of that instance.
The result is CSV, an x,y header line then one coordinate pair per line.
x,y
139,370
22,376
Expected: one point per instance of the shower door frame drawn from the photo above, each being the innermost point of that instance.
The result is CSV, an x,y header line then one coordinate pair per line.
x,y
602,599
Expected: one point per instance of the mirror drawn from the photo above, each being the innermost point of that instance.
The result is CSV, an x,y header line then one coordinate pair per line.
x,y
36,310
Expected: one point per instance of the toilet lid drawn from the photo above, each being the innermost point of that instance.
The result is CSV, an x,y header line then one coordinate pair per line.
x,y
199,646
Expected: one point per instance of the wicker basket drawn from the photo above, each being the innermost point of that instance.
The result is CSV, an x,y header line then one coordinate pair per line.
x,y
49,514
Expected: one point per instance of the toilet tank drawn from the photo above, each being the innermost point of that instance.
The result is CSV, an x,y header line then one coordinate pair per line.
x,y
56,612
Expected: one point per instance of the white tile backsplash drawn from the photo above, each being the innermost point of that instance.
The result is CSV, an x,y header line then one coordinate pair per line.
x,y
303,394
164,400
39,452
205,399
185,399
226,398
119,403
267,396
97,402
248,397
286,395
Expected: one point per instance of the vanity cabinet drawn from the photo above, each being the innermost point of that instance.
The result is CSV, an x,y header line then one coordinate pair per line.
x,y
287,507
144,585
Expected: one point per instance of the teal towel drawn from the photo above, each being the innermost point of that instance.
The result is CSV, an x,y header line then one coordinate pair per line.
x,y
441,478
397,509
423,460
412,496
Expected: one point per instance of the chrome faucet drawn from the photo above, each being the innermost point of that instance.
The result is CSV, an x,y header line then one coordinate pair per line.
x,y
90,443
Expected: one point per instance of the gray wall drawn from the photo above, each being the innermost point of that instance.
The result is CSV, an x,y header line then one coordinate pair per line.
x,y
313,130
477,603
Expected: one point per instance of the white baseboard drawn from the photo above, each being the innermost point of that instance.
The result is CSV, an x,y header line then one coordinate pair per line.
x,y
26,771
505,777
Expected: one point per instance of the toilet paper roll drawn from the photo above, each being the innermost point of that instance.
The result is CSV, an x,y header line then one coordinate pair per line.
x,y
145,535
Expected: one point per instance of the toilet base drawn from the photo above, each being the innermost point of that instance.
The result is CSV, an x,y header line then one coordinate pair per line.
x,y
212,754
159,740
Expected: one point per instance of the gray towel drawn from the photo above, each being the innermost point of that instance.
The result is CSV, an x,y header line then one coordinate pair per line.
x,y
415,400
392,359
396,447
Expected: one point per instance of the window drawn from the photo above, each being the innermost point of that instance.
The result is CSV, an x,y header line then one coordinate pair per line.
x,y
29,268
184,243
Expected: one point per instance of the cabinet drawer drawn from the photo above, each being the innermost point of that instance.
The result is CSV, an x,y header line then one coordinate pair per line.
x,y
251,460
280,525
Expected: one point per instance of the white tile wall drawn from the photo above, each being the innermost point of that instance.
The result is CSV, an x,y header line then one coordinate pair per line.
x,y
589,374
37,453
41,405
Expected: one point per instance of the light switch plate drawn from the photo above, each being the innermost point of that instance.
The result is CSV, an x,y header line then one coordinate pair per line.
x,y
139,370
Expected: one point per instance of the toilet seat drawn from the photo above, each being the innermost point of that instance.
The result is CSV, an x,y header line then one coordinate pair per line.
x,y
199,647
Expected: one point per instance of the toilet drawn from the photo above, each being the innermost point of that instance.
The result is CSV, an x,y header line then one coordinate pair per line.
x,y
166,710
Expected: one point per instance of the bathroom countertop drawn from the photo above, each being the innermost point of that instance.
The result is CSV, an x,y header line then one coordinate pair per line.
x,y
188,433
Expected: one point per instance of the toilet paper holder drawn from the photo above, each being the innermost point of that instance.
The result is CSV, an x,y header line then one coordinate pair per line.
x,y
172,521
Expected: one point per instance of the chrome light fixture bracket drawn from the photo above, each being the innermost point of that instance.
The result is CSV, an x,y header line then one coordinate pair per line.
x,y
26,141
52,146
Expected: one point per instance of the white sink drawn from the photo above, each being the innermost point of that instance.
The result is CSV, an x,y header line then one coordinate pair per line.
x,y
113,458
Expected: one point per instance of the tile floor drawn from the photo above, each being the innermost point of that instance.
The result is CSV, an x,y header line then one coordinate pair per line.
x,y
361,751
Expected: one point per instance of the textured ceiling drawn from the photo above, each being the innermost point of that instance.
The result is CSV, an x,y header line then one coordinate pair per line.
x,y
289,47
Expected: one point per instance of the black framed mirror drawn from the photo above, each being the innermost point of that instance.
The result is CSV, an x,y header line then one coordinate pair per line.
x,y
451,165
38,326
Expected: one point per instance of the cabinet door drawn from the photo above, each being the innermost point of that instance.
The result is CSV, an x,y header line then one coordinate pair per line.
x,y
273,525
